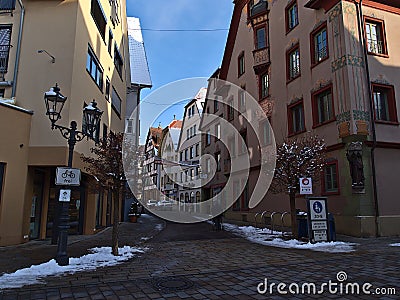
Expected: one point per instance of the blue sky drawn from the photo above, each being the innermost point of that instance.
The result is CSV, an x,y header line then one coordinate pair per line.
x,y
174,56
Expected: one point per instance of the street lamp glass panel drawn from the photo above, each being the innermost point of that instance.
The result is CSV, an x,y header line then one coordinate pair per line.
x,y
92,115
54,101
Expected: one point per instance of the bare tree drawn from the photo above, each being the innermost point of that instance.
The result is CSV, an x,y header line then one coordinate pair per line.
x,y
106,164
296,158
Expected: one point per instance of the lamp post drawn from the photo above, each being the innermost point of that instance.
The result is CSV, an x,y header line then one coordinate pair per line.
x,y
55,101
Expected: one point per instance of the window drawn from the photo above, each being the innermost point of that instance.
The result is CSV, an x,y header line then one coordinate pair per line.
x,y
218,160
241,64
261,40
116,102
265,129
187,134
191,152
186,154
99,17
118,62
181,156
375,34
242,100
296,118
114,12
5,40
208,137
293,63
217,131
2,91
197,149
331,178
215,105
232,146
7,5
129,126
319,44
231,110
2,168
108,84
384,103
186,175
243,142
264,85
94,68
323,111
292,18
190,132
110,41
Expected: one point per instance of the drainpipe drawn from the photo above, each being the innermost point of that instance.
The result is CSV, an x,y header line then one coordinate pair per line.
x,y
21,23
371,108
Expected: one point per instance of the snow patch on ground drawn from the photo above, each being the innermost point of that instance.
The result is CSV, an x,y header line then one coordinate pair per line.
x,y
395,245
100,257
265,237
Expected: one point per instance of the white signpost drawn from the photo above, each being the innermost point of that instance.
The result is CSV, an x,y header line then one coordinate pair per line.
x,y
65,196
318,219
68,176
306,186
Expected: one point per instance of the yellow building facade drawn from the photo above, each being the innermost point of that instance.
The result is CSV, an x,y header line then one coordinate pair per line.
x,y
82,45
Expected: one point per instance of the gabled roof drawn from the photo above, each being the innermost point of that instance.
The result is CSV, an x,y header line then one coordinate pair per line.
x,y
175,124
140,73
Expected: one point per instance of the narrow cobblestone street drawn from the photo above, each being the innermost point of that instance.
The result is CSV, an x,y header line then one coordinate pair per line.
x,y
195,262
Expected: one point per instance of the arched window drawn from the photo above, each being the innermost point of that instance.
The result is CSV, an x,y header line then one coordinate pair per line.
x,y
197,197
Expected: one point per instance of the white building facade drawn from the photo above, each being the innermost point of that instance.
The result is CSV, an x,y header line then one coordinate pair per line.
x,y
189,154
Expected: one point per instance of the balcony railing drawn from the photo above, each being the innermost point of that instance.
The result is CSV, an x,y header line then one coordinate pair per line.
x,y
261,57
7,5
4,54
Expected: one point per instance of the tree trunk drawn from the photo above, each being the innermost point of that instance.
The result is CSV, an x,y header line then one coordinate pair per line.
x,y
293,214
115,222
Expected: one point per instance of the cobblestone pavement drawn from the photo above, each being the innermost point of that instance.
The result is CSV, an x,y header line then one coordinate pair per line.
x,y
195,262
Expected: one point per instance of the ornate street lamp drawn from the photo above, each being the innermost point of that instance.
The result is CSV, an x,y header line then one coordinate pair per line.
x,y
54,101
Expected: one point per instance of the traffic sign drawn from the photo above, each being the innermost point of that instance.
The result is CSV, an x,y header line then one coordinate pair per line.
x,y
68,176
318,219
65,196
306,186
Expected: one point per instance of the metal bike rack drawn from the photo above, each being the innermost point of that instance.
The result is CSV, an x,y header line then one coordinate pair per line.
x,y
263,216
272,221
283,221
255,218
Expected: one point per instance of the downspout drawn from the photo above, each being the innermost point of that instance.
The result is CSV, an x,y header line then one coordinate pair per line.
x,y
18,54
372,115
